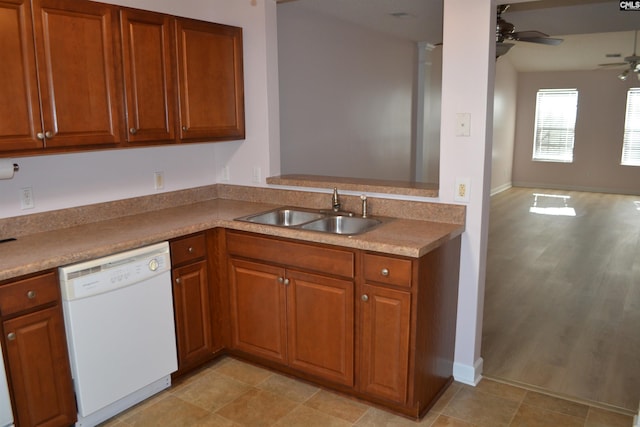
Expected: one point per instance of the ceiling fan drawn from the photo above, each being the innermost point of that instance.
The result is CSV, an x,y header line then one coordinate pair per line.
x,y
506,31
633,62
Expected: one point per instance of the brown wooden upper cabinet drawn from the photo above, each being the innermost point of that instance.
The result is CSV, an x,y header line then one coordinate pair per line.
x,y
210,75
78,100
84,75
19,99
148,76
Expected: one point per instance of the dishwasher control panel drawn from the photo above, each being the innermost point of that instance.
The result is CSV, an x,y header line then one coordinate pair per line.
x,y
112,272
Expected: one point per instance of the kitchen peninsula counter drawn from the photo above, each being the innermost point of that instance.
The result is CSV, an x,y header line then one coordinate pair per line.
x,y
51,239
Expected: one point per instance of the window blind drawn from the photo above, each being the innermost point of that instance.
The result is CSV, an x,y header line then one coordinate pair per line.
x,y
631,141
555,124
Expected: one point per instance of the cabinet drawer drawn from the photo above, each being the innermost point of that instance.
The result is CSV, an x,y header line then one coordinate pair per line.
x,y
384,269
28,293
323,260
188,249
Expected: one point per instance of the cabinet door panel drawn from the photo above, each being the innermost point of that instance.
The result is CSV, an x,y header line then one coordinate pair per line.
x,y
320,320
211,88
39,369
76,57
149,85
19,101
385,342
258,316
193,314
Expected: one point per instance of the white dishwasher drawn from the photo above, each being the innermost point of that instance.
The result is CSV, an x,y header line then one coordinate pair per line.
x,y
118,314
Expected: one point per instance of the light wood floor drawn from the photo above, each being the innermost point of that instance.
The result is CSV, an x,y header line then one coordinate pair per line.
x,y
562,300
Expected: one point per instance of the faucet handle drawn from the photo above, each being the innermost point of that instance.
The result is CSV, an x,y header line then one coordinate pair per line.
x,y
364,206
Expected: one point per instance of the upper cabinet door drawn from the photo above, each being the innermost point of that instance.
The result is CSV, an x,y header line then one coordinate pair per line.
x,y
148,76
19,102
210,88
81,101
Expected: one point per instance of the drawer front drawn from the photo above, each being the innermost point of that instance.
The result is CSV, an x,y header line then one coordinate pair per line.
x,y
324,260
384,269
29,293
188,249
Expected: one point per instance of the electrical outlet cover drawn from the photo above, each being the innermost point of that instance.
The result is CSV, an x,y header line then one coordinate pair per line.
x,y
462,190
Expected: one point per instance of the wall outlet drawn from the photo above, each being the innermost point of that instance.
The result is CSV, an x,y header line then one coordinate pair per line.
x,y
462,190
26,198
226,176
158,180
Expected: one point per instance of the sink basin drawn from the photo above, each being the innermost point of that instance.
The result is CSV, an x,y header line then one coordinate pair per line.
x,y
283,217
342,225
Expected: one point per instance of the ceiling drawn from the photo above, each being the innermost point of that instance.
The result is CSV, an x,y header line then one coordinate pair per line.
x,y
591,29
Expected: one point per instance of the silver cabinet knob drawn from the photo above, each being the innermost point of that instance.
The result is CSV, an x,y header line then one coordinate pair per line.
x,y
286,282
48,134
11,336
384,272
40,136
190,250
184,128
178,280
133,131
31,294
280,279
364,297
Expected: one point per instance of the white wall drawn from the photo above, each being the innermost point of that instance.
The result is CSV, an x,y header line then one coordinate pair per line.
x,y
67,180
598,136
504,121
346,97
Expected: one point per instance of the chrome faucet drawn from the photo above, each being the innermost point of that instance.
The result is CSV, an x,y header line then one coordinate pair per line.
x,y
335,200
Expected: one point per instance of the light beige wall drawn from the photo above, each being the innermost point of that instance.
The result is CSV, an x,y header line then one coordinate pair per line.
x,y
504,120
598,137
345,97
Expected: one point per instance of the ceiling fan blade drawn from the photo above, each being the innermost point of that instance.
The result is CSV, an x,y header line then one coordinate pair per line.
x,y
529,34
613,64
541,40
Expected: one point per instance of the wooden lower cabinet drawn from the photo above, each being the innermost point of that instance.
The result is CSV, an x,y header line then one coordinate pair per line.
x,y
385,326
379,327
320,326
298,319
36,350
258,309
292,303
192,302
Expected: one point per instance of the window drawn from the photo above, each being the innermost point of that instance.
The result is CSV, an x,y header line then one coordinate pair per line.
x,y
555,125
631,141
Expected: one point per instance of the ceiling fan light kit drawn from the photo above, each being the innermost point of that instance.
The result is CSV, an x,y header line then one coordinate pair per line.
x,y
632,61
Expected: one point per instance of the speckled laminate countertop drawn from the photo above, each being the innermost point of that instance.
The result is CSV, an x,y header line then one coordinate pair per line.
x,y
52,248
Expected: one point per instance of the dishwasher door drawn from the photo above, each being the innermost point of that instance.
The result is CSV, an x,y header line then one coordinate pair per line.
x,y
120,330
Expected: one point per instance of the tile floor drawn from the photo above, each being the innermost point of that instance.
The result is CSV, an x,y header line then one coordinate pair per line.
x,y
231,393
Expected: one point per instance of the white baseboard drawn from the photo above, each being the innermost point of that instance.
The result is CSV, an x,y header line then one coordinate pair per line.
x,y
540,185
467,374
501,188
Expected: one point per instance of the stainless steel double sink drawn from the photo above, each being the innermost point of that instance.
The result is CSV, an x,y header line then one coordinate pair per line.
x,y
314,220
